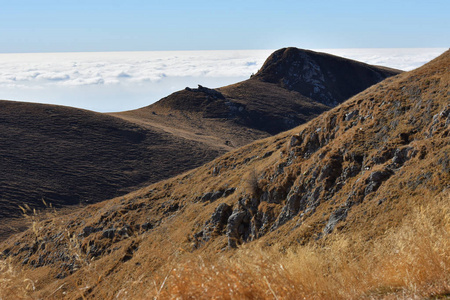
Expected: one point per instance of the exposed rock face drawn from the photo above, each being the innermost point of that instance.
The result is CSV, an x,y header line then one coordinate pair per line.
x,y
214,195
215,225
440,121
332,170
322,77
236,227
337,216
207,91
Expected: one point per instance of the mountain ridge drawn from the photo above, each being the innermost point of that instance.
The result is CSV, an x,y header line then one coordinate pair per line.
x,y
263,104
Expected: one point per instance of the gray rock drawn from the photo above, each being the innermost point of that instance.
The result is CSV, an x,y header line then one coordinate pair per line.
x,y
216,195
6,252
351,115
207,196
228,192
214,225
375,180
336,216
87,231
378,176
147,226
234,224
403,155
109,233
220,216
291,209
351,171
296,140
125,231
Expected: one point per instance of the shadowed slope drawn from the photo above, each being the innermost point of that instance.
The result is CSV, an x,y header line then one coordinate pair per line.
x,y
70,156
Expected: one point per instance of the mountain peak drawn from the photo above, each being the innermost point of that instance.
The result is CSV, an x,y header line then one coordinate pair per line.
x,y
325,78
292,87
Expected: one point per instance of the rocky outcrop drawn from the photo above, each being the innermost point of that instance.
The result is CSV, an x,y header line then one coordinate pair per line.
x,y
215,225
441,121
332,161
214,195
322,77
215,94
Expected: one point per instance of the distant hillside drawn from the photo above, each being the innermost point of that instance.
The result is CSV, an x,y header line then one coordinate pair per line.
x,y
356,173
67,156
292,87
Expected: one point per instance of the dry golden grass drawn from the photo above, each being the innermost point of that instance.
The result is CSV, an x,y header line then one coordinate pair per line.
x,y
12,284
412,261
250,182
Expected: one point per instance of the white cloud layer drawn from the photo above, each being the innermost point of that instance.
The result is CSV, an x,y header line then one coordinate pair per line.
x,y
116,81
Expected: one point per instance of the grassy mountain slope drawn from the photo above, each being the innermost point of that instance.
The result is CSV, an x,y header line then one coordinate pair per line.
x,y
358,196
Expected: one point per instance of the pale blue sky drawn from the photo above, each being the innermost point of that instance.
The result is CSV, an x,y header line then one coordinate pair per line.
x,y
134,25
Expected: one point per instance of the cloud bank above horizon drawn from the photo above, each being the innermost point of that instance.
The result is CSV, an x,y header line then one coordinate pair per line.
x,y
117,81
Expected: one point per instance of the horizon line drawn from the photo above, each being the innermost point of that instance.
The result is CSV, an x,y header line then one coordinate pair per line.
x,y
218,50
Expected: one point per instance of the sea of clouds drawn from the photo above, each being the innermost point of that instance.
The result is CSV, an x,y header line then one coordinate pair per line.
x,y
117,81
